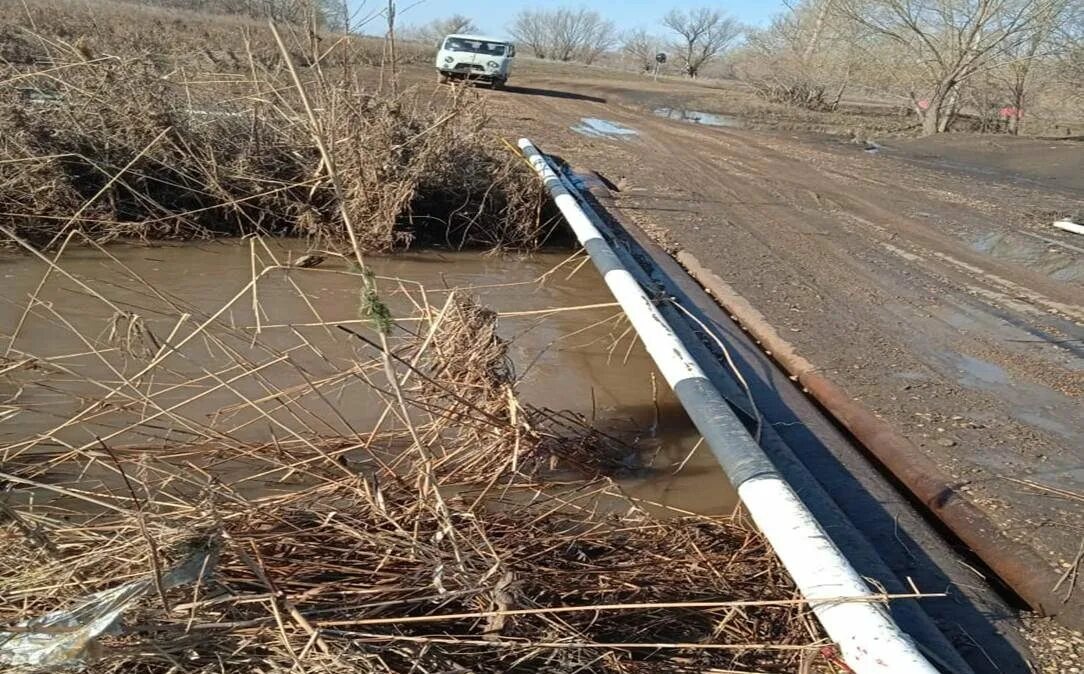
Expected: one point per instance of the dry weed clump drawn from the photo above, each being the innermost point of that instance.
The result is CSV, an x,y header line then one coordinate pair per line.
x,y
468,380
100,132
469,356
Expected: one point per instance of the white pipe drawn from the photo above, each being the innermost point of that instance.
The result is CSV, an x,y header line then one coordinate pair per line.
x,y
1069,226
870,642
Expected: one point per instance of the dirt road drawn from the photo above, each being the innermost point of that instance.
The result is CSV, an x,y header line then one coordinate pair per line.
x,y
936,294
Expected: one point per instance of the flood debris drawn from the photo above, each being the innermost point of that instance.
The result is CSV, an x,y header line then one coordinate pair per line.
x,y
463,530
68,638
309,260
1068,225
375,576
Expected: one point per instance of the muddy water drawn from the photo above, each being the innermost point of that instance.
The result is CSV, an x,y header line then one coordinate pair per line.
x,y
1063,262
602,128
699,117
582,360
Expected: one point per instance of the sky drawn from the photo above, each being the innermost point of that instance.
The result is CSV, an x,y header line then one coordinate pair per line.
x,y
493,16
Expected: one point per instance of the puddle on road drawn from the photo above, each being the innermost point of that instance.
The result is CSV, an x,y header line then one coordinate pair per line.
x,y
1057,262
603,128
698,117
1031,404
565,363
1055,340
978,373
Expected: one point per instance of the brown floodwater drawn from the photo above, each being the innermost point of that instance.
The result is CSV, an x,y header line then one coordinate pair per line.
x,y
579,359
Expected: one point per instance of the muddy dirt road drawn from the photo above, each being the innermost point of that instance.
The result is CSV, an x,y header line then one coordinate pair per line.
x,y
937,294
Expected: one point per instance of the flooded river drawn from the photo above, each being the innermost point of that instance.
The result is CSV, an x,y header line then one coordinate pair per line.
x,y
100,321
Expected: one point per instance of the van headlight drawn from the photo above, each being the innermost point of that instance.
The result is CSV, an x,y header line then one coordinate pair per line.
x,y
493,65
448,59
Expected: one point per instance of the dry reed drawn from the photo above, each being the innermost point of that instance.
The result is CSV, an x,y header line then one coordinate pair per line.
x,y
124,122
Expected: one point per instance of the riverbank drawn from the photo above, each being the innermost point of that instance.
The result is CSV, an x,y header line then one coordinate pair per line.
x,y
266,134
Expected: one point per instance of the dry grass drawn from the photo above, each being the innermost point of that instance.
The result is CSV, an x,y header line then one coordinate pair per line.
x,y
103,133
363,576
462,530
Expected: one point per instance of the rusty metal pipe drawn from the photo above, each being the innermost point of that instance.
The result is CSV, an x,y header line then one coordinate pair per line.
x,y
1019,567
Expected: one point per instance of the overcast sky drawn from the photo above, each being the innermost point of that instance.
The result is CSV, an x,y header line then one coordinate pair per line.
x,y
493,16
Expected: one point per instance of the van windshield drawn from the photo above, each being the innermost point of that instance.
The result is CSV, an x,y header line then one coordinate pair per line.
x,y
475,46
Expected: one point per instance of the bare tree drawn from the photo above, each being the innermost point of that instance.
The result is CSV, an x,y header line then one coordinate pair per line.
x,y
821,9
641,47
564,34
805,57
1023,59
433,32
391,48
950,41
530,30
336,15
591,35
702,35
1070,61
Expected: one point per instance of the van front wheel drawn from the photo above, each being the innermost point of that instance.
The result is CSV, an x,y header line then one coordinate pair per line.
x,y
497,83
441,78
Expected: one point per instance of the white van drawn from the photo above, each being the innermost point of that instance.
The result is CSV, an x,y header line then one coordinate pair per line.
x,y
475,57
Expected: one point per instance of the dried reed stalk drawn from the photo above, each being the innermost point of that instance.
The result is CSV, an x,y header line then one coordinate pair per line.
x,y
466,530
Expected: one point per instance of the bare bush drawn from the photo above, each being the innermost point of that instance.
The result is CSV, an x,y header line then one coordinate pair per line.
x,y
799,93
564,34
805,58
702,35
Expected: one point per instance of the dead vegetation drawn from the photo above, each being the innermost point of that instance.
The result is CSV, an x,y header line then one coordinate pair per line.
x,y
802,94
409,512
992,66
169,125
361,576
